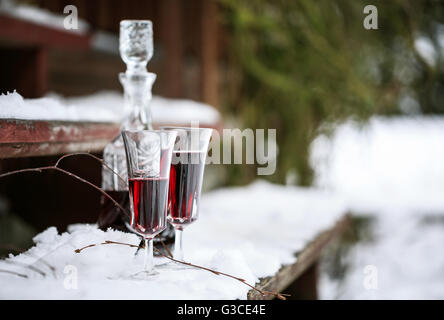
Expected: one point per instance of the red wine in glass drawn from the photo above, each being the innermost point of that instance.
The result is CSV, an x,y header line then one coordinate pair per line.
x,y
186,175
148,154
111,216
148,198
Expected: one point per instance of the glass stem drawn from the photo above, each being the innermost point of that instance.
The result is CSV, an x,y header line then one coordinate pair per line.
x,y
178,245
149,260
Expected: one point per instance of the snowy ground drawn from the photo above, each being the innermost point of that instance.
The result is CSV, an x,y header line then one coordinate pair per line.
x,y
392,172
248,232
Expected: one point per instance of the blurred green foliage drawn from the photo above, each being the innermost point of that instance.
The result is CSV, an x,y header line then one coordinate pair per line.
x,y
300,64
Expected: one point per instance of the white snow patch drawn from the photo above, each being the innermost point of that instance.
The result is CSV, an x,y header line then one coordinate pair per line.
x,y
426,49
105,106
390,169
390,162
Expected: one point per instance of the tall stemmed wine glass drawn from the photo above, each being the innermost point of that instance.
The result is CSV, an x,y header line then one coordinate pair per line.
x,y
148,154
186,175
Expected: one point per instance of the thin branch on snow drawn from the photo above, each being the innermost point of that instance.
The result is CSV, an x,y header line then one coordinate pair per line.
x,y
14,273
12,247
27,266
262,292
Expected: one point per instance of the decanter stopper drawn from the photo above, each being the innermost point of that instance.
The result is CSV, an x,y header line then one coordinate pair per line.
x,y
136,44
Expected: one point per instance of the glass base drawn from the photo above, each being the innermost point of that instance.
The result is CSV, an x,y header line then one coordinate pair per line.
x,y
173,265
143,275
137,276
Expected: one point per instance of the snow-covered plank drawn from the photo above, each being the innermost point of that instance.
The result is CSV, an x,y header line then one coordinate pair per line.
x,y
251,232
106,106
305,259
54,125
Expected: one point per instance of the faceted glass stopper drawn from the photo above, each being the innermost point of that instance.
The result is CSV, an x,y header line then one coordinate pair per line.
x,y
136,43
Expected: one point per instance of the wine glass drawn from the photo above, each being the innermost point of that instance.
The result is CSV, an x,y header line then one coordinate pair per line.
x,y
148,154
186,175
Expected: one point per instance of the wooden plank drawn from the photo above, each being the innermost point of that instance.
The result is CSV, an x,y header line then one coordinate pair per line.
x,y
17,150
27,138
23,138
306,286
305,259
32,131
27,33
79,73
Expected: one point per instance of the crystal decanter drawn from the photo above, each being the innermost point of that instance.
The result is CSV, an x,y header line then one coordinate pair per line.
x,y
136,49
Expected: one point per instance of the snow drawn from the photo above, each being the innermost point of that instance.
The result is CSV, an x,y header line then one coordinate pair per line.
x,y
105,41
390,162
13,106
390,171
426,49
105,106
248,232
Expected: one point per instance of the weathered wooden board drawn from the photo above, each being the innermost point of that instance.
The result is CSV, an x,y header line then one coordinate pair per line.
x,y
28,138
24,32
305,259
24,138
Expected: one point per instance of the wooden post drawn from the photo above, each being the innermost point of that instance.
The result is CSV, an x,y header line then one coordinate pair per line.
x,y
172,40
208,52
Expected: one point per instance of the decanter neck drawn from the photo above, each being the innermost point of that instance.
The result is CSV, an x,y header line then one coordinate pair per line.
x,y
137,98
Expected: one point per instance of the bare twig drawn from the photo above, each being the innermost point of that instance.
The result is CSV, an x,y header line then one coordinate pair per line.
x,y
166,249
83,248
94,157
262,292
56,168
20,250
28,266
15,273
52,268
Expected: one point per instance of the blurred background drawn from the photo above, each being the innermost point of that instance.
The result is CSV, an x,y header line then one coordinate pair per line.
x,y
357,111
